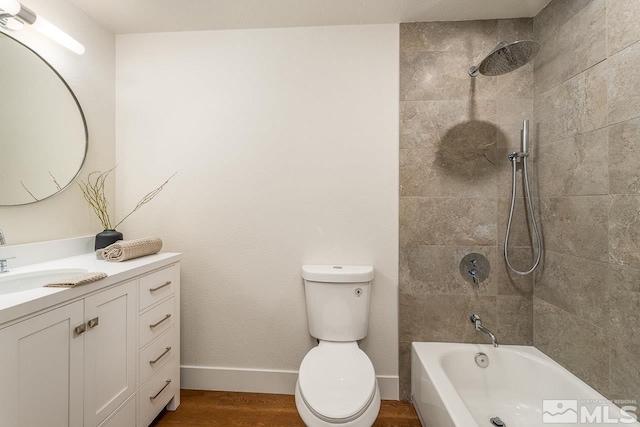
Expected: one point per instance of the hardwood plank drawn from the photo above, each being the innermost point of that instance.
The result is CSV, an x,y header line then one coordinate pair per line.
x,y
221,408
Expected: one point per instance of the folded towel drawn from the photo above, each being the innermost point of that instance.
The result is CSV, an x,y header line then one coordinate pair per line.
x,y
80,279
123,250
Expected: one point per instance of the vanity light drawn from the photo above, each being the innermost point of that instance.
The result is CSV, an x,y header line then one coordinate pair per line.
x,y
15,15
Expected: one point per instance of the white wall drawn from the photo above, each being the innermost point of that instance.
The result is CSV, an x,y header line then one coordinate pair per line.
x,y
92,78
286,147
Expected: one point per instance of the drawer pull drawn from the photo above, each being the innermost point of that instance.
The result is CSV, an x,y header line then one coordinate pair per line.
x,y
80,329
167,283
93,322
166,350
167,382
167,316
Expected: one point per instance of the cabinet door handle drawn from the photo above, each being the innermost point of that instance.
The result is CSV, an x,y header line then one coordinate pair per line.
x,y
167,382
167,283
93,322
80,329
166,350
168,315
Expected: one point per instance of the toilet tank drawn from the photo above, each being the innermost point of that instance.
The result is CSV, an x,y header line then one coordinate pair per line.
x,y
337,298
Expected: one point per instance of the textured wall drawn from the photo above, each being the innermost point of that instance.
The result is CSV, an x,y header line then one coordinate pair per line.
x,y
587,109
92,78
286,147
455,134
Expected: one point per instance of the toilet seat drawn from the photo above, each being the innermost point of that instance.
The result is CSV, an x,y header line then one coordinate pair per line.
x,y
337,381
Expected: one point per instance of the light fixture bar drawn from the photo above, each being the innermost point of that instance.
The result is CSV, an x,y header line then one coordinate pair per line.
x,y
25,15
12,7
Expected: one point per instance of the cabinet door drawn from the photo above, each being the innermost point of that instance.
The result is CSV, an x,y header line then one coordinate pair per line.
x,y
110,351
41,370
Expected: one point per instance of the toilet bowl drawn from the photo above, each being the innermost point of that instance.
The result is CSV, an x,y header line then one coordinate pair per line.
x,y
337,386
337,383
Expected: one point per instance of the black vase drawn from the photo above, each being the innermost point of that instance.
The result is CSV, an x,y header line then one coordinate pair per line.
x,y
106,238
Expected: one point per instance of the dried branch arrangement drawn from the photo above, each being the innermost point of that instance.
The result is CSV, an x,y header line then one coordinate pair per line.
x,y
93,192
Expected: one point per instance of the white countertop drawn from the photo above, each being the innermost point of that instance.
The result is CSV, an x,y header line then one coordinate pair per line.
x,y
19,304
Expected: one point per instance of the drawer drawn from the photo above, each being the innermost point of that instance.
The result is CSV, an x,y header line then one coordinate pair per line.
x,y
156,286
158,392
154,322
154,357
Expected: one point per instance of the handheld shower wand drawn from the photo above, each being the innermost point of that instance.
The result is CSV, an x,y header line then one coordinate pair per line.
x,y
514,158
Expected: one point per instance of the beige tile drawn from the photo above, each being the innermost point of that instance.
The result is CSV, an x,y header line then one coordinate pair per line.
x,y
556,14
470,174
576,226
515,29
521,233
445,318
622,24
577,345
434,270
405,371
510,283
624,230
577,45
450,149
433,76
624,157
624,303
510,115
515,320
448,221
426,125
474,37
576,285
624,84
625,371
517,84
417,126
578,105
575,166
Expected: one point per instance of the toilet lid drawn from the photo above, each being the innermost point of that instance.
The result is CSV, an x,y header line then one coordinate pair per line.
x,y
337,380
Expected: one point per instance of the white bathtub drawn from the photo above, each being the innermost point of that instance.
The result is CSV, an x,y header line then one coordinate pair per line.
x,y
449,389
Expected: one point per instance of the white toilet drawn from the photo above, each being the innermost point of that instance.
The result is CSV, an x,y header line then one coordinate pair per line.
x,y
337,384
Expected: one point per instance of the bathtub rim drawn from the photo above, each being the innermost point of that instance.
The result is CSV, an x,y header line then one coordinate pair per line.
x,y
429,355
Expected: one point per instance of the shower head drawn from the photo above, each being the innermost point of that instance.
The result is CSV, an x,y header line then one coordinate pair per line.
x,y
506,57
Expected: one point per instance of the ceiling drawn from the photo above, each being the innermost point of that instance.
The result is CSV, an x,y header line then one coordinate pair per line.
x,y
144,16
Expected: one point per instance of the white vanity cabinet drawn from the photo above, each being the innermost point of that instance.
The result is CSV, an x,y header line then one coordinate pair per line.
x,y
107,358
109,351
41,370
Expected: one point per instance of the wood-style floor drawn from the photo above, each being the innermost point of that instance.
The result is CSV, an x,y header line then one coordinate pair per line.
x,y
221,408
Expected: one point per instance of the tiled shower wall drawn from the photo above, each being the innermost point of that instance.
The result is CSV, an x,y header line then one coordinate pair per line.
x,y
587,110
455,134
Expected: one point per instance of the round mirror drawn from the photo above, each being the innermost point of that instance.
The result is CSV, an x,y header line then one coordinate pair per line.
x,y
43,133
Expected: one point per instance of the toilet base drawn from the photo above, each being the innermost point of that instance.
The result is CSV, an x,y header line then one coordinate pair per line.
x,y
365,420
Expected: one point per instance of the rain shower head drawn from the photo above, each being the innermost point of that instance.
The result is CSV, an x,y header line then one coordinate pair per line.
x,y
506,57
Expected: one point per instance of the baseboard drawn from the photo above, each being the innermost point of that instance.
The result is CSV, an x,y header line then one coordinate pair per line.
x,y
261,380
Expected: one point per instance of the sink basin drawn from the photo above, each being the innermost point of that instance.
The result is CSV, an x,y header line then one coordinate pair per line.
x,y
20,282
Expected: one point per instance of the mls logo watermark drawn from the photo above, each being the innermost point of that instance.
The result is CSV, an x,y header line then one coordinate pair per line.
x,y
573,411
559,411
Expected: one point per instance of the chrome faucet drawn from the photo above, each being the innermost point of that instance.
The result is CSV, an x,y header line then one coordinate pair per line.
x,y
475,319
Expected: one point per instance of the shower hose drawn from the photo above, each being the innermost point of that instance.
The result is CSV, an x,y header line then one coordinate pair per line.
x,y
514,159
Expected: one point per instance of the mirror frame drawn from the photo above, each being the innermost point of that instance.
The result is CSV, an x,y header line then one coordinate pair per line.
x,y
84,123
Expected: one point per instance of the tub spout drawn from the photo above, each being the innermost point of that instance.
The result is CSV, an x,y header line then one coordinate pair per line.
x,y
475,319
